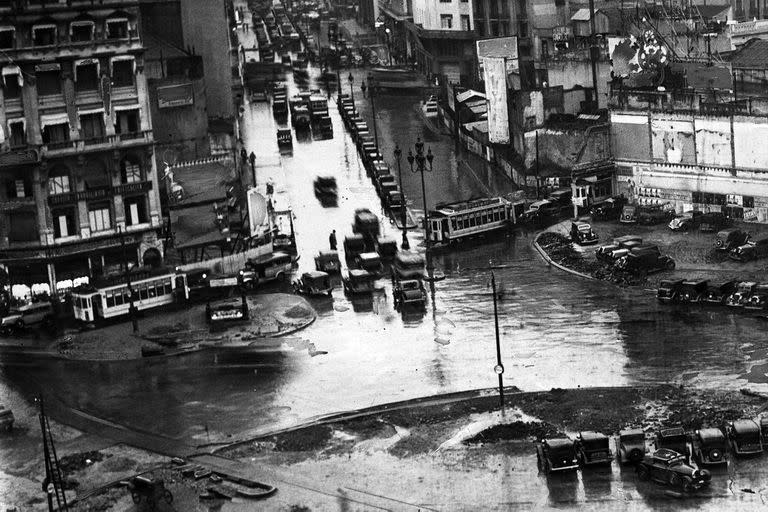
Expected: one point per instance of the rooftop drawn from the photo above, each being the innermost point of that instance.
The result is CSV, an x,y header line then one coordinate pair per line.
x,y
752,55
204,181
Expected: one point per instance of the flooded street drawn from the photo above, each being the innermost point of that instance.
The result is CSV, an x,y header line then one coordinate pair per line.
x,y
556,330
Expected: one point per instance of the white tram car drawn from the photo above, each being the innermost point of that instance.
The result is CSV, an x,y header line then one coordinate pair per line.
x,y
455,221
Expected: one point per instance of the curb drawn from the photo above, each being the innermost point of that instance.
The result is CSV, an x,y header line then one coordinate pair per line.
x,y
555,264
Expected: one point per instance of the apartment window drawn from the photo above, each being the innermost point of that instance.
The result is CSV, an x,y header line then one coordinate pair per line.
x,y
17,136
48,82
445,1
446,21
11,86
136,210
92,126
86,76
131,172
98,217
122,73
19,188
128,121
706,198
58,132
23,227
44,35
464,22
64,222
480,27
80,31
117,29
58,185
7,37
748,201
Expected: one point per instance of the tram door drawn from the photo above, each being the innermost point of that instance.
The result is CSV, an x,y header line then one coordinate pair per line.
x,y
439,229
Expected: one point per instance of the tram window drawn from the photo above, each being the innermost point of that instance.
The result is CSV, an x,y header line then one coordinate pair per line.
x,y
453,224
168,288
471,222
119,299
143,294
152,291
485,218
110,301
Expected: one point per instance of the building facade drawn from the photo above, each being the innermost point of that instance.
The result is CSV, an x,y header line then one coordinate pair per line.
x,y
80,188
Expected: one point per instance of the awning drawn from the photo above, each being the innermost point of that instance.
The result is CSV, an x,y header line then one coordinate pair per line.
x,y
52,119
116,20
87,62
85,112
14,120
44,26
121,58
13,70
80,23
7,28
48,66
133,106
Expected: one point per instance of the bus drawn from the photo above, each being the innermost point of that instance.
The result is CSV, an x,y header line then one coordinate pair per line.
x,y
452,222
109,297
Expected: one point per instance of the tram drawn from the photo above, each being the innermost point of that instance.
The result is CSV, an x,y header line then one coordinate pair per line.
x,y
456,221
110,297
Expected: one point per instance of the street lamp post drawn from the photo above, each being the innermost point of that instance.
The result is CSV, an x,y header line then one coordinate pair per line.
x,y
405,245
252,160
131,306
423,163
389,44
351,87
499,368
373,112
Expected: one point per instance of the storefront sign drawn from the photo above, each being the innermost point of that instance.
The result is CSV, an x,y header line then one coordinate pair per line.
x,y
175,96
19,157
562,33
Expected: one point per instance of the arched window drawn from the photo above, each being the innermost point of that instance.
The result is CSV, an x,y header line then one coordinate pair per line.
x,y
130,170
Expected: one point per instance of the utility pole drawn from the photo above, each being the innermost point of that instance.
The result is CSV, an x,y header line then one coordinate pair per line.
x,y
252,160
373,112
131,307
537,163
499,368
53,482
593,50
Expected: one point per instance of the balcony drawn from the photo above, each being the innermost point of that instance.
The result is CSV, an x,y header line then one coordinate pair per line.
x,y
100,193
65,147
75,50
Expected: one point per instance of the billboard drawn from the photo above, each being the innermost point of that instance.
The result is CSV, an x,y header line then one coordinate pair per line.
x,y
505,47
175,96
495,76
257,211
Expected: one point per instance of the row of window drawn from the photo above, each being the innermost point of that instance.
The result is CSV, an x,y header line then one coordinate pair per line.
x,y
722,199
92,127
141,291
65,221
446,21
478,219
47,34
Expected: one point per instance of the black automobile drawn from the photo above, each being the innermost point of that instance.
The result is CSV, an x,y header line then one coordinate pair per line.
x,y
670,468
582,233
610,209
674,438
556,455
709,447
717,293
593,448
745,437
653,216
750,251
669,290
713,221
645,259
741,295
693,291
686,222
758,299
630,445
326,190
731,238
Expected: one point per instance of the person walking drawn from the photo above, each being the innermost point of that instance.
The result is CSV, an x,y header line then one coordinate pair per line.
x,y
332,240
363,88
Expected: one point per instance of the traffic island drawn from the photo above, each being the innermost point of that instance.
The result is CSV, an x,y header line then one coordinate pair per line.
x,y
179,331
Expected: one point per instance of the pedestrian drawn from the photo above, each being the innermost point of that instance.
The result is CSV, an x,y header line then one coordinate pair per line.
x,y
363,88
270,188
332,240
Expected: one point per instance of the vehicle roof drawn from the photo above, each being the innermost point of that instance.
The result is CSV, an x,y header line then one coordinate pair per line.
x,y
743,426
328,254
672,431
559,442
356,272
314,274
592,436
632,432
695,282
747,284
540,203
710,434
409,258
369,256
670,282
354,237
627,238
666,454
727,231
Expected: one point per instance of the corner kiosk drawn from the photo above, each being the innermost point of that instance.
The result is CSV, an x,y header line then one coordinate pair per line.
x,y
109,297
455,221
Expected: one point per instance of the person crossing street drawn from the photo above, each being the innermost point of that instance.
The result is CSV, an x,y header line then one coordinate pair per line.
x,y
332,240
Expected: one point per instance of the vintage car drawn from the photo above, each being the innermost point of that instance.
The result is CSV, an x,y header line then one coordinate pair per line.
x,y
328,261
387,248
556,455
709,447
313,283
739,297
408,265
532,213
279,107
393,201
645,259
745,437
730,238
358,281
6,419
354,246
561,197
669,467
284,138
384,182
718,293
409,293
28,315
326,190
618,248
301,118
750,251
366,223
669,290
758,299
593,448
630,445
713,221
686,222
693,291
582,233
324,127
610,209
628,214
674,438
653,216
371,262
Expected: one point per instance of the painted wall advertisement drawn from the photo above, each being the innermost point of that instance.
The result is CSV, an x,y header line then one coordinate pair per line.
x,y
495,75
175,96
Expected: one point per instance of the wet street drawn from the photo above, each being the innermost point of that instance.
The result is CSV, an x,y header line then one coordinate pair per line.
x,y
556,330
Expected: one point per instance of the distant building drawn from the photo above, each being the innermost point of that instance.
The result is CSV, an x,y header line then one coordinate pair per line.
x,y
76,152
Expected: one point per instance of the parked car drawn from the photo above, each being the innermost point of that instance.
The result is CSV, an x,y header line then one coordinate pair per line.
x,y
358,282
750,251
556,455
628,214
630,445
328,261
582,233
674,438
745,437
653,216
713,221
366,223
409,293
669,290
6,419
606,252
284,138
718,293
670,468
758,299
394,201
610,209
731,238
353,246
532,213
693,292
645,259
593,448
686,222
313,283
408,265
738,298
387,248
561,197
371,262
28,315
709,446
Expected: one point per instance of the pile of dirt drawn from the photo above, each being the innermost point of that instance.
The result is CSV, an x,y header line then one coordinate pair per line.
x,y
365,427
515,430
694,409
303,440
297,311
77,461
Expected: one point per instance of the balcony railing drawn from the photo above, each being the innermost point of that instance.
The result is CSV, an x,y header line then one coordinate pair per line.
x,y
100,193
98,143
95,140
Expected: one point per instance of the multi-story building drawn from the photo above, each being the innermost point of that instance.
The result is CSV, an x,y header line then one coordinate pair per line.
x,y
80,190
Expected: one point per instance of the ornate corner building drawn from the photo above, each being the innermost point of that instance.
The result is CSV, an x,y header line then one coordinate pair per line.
x,y
78,182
